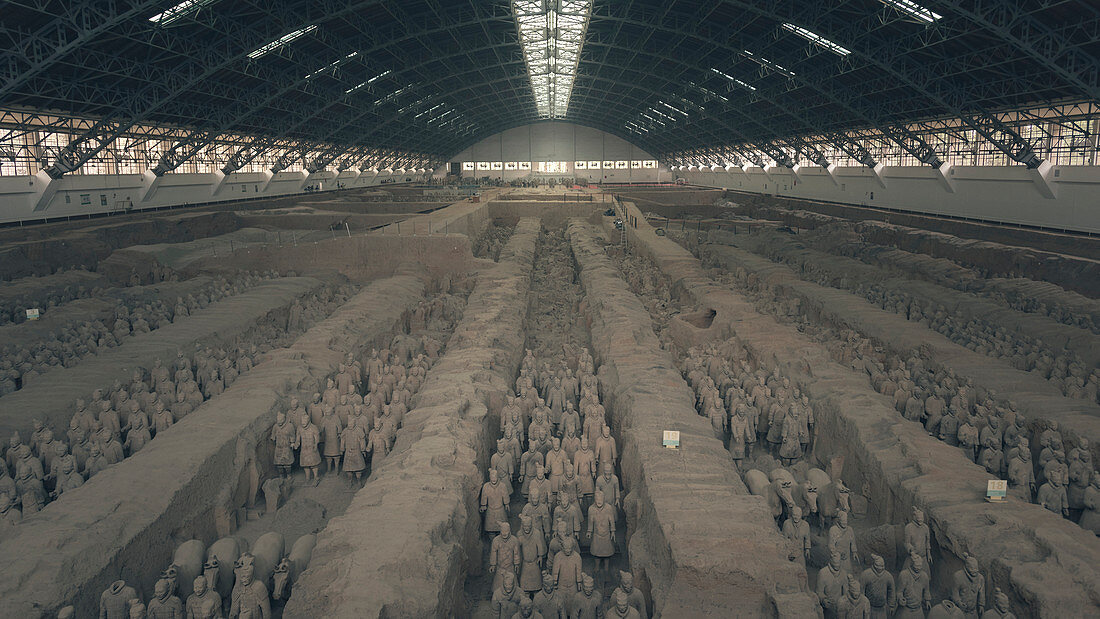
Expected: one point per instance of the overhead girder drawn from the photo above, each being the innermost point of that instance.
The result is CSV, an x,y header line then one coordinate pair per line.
x,y
204,62
1050,47
819,79
182,151
891,57
73,24
860,111
233,118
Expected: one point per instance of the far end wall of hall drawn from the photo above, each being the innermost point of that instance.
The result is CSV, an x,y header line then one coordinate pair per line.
x,y
1068,200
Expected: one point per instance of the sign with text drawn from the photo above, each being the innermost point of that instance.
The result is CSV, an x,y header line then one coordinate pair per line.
x,y
996,490
671,439
32,314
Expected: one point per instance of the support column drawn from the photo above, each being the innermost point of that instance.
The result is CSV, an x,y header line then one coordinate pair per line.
x,y
1043,177
45,188
877,171
150,183
943,175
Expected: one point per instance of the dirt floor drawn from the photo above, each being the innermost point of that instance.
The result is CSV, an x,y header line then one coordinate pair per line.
x,y
847,340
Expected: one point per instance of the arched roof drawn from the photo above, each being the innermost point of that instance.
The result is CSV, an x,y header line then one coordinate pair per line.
x,y
375,73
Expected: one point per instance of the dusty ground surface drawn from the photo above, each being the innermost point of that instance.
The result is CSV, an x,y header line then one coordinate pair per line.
x,y
902,466
409,541
52,400
122,522
421,500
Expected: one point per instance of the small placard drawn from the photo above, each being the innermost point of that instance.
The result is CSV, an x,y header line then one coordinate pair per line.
x,y
32,314
996,490
671,439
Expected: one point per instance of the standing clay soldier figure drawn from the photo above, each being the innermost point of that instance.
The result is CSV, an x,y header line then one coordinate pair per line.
x,y
549,602
585,464
567,568
507,597
587,601
330,430
309,457
742,436
1052,495
504,554
204,603
831,583
968,591
353,444
608,483
138,435
10,515
798,530
1021,472
914,596
918,538
1000,608
854,604
249,599
532,550
285,435
164,604
162,419
790,447
878,586
378,443
605,448
634,597
115,601
1090,517
494,503
601,531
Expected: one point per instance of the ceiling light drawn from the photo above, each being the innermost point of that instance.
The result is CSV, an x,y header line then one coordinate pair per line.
x,y
914,10
179,11
817,39
281,41
767,64
734,80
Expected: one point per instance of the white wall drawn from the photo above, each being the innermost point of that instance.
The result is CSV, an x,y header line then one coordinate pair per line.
x,y
1068,198
558,141
24,198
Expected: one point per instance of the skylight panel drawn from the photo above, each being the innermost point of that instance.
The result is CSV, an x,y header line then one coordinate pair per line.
x,y
429,110
914,10
674,109
732,79
332,65
379,76
179,11
817,39
281,41
658,112
441,116
768,64
551,35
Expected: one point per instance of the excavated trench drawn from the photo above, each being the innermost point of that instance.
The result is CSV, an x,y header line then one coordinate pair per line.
x,y
893,463
200,478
